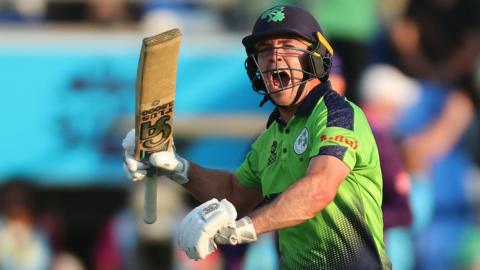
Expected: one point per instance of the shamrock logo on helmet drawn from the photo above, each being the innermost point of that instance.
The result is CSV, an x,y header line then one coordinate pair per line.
x,y
275,14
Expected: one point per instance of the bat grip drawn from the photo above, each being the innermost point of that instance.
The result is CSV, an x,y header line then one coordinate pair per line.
x,y
150,204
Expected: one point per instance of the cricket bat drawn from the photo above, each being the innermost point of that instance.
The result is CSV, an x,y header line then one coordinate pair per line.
x,y
154,103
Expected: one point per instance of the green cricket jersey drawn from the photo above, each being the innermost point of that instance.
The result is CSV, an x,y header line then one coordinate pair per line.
x,y
348,233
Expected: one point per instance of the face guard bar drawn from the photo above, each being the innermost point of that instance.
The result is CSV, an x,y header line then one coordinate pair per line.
x,y
316,63
260,82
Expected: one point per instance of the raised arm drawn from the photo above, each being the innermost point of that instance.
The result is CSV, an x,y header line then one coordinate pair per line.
x,y
205,184
304,199
202,183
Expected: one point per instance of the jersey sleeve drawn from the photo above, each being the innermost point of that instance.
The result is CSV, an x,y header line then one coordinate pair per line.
x,y
248,173
339,130
339,142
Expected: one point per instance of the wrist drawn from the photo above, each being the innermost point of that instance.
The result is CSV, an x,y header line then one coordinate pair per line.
x,y
244,232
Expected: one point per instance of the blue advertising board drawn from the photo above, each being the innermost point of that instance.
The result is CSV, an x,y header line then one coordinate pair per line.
x,y
63,112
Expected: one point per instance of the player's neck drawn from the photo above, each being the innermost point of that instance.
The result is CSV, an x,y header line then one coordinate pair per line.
x,y
286,113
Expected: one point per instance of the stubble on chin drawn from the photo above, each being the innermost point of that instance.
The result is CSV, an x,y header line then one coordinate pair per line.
x,y
283,98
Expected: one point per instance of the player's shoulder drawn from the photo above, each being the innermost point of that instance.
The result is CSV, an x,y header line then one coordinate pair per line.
x,y
338,111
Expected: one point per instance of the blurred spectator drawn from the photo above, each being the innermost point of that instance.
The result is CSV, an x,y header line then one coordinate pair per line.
x,y
390,11
350,26
69,11
22,10
108,12
438,40
52,223
386,94
433,141
66,261
431,132
188,16
22,244
100,12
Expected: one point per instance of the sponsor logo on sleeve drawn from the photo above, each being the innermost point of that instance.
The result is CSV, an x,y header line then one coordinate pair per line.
x,y
341,139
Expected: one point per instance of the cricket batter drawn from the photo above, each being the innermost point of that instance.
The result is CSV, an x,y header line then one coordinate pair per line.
x,y
316,164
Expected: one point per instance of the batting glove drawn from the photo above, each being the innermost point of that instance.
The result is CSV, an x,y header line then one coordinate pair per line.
x,y
168,163
172,165
134,169
213,223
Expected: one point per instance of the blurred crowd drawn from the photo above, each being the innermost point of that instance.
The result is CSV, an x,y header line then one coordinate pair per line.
x,y
413,66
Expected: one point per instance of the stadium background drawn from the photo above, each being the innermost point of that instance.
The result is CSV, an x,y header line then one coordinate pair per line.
x,y
67,80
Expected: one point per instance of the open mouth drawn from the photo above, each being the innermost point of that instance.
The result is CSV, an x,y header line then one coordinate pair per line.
x,y
279,79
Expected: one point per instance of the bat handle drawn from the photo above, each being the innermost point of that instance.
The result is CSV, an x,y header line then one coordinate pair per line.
x,y
150,204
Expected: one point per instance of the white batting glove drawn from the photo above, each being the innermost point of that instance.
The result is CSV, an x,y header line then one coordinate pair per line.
x,y
169,163
213,223
134,169
243,232
172,165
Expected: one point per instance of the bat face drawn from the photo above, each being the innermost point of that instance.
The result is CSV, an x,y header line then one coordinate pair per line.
x,y
155,128
157,70
155,97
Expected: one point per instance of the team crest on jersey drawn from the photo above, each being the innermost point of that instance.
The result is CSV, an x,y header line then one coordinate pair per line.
x,y
301,143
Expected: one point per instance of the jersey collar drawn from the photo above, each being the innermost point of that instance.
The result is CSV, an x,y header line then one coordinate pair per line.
x,y
307,105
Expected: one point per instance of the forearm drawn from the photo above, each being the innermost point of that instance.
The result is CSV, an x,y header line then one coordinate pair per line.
x,y
454,120
300,202
205,184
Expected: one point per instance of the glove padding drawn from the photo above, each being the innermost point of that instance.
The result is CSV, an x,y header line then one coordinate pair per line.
x,y
172,165
167,163
134,169
213,223
243,232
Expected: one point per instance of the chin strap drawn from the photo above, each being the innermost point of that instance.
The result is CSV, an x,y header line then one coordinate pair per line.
x,y
299,92
266,98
